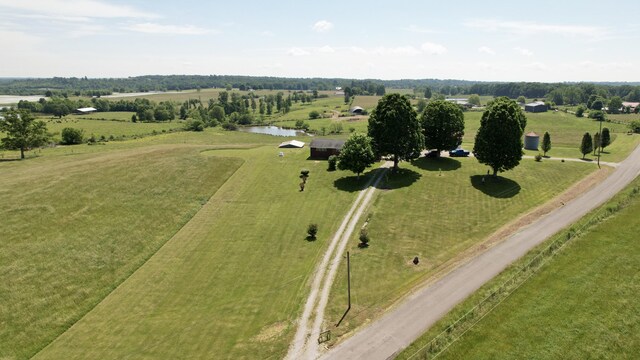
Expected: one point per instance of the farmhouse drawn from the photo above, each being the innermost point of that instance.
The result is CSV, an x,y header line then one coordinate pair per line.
x,y
461,102
86,110
632,105
536,106
323,148
356,110
292,144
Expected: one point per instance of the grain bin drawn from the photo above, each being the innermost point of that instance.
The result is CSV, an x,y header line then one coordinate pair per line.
x,y
531,141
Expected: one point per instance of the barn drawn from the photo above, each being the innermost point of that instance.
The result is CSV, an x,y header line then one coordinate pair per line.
x,y
536,106
356,110
323,148
86,110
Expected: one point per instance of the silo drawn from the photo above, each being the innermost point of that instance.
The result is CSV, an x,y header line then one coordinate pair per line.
x,y
531,141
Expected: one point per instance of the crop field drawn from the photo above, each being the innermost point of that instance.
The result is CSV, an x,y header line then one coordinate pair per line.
x,y
581,304
73,228
230,283
436,210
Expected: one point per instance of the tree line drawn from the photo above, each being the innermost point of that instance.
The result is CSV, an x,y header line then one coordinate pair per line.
x,y
560,93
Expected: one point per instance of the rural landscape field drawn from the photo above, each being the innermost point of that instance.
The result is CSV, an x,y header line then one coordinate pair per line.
x,y
280,184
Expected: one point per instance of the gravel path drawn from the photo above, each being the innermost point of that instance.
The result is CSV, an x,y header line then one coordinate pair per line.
x,y
305,341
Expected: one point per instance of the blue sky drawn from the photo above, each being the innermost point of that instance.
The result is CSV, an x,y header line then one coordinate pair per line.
x,y
484,40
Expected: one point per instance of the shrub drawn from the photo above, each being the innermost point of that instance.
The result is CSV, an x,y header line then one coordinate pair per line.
x,y
314,115
634,126
71,136
538,157
229,126
312,231
194,125
333,161
580,111
364,237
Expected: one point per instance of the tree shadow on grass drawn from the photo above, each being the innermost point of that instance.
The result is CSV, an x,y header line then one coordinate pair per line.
x,y
496,186
389,181
437,164
401,178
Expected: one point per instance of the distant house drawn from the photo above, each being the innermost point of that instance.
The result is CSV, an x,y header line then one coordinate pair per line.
x,y
536,106
356,110
86,110
323,148
292,144
632,105
462,102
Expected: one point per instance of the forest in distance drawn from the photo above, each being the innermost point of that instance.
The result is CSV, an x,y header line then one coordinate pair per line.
x,y
83,86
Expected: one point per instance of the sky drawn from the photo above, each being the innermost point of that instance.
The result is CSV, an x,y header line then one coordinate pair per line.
x,y
545,41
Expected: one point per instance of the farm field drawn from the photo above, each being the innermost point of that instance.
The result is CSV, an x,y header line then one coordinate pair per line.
x,y
436,210
581,304
231,282
75,227
108,128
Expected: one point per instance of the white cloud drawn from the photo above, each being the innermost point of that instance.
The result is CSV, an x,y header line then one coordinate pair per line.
x,y
358,50
535,28
298,52
523,51
535,66
326,50
322,26
74,9
399,50
486,50
152,28
267,33
419,30
433,48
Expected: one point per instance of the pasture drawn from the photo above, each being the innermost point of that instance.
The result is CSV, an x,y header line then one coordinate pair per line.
x,y
74,228
109,128
581,304
437,209
231,282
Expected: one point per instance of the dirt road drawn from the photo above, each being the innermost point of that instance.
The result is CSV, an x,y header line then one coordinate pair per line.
x,y
397,329
305,341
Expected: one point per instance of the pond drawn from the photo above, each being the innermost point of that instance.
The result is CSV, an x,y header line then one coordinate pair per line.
x,y
272,130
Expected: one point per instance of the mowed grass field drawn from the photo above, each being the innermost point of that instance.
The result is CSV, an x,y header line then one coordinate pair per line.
x,y
73,228
582,304
232,281
566,131
108,128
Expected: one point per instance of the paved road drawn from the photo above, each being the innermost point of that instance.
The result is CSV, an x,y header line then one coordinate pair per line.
x,y
398,328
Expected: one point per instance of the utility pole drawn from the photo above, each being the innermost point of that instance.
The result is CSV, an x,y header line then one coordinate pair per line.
x,y
348,290
599,142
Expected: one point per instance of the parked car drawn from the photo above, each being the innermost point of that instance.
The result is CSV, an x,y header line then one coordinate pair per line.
x,y
458,153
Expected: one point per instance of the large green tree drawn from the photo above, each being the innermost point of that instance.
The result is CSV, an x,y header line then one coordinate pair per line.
x,y
586,146
394,129
498,142
443,125
615,104
22,131
356,154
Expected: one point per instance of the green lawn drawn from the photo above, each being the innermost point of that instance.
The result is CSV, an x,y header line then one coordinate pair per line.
x,y
436,210
74,228
566,132
107,128
231,282
107,115
582,304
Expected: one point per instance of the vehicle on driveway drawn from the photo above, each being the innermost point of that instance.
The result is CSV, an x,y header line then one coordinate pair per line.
x,y
458,153
433,154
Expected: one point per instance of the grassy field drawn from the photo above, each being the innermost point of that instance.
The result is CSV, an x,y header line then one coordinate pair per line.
x,y
581,304
107,128
231,282
566,132
73,228
435,211
107,115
